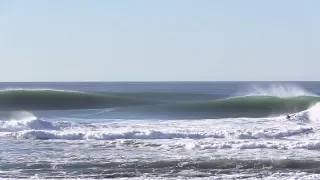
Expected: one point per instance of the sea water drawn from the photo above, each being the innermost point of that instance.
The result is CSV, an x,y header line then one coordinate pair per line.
x,y
160,130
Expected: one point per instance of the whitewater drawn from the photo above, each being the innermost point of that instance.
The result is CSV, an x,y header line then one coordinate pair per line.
x,y
160,130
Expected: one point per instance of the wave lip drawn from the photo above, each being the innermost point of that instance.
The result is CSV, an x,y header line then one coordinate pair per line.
x,y
50,99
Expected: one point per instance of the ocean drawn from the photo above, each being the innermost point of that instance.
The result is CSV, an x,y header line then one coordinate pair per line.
x,y
160,130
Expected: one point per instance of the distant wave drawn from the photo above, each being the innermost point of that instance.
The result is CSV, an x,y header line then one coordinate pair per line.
x,y
50,99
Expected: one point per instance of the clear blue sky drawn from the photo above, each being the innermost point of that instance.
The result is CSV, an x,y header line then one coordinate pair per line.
x,y
155,40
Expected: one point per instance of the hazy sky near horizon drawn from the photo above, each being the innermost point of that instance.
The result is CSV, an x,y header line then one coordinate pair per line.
x,y
149,40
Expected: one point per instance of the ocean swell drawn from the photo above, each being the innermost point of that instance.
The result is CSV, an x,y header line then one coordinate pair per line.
x,y
49,99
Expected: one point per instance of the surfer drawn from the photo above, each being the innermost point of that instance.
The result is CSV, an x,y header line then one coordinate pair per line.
x,y
288,117
291,117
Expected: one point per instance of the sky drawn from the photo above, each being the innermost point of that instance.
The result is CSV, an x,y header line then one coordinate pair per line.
x,y
159,40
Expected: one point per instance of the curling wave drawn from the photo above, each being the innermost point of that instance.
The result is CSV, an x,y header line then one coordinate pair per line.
x,y
245,106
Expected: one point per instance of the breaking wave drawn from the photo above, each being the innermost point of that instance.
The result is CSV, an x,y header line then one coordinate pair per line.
x,y
245,106
28,126
258,103
76,134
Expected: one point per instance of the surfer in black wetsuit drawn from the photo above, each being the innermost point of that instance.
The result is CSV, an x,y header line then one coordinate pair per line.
x,y
288,117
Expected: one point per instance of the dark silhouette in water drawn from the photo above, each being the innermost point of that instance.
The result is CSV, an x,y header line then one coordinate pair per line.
x,y
288,117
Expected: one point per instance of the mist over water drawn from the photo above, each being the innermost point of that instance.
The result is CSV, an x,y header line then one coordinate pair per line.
x,y
277,90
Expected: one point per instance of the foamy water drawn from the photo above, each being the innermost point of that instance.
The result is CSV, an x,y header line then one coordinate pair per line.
x,y
125,141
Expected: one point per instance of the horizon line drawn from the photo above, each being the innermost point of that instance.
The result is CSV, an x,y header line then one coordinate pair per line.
x,y
158,81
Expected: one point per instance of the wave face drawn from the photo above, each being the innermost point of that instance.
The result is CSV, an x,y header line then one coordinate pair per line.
x,y
167,97
246,106
49,99
257,101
